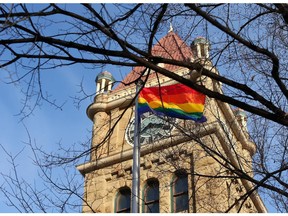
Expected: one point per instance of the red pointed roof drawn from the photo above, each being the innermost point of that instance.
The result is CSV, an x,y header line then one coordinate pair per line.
x,y
170,46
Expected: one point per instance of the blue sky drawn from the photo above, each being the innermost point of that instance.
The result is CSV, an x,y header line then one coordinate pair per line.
x,y
47,125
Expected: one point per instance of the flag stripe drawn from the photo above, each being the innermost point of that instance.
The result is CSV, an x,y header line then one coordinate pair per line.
x,y
176,98
185,107
146,108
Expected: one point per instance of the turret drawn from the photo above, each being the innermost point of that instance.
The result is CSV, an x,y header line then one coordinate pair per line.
x,y
200,47
104,82
241,117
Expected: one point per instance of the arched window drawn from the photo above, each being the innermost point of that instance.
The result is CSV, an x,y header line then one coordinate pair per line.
x,y
122,201
180,200
151,196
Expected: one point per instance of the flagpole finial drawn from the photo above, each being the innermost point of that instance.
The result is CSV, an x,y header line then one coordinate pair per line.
x,y
171,28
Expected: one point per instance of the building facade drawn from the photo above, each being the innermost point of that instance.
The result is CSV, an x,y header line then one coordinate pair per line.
x,y
185,166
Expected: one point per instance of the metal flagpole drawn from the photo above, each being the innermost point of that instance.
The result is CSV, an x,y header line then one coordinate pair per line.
x,y
136,157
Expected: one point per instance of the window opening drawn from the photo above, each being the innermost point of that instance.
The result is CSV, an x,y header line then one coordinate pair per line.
x,y
180,192
123,199
151,196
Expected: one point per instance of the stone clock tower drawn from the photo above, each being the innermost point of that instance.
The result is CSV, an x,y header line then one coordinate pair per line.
x,y
185,166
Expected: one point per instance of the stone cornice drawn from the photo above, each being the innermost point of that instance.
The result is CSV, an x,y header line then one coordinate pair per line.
x,y
104,106
128,154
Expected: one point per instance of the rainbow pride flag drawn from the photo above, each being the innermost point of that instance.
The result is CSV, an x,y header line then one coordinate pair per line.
x,y
178,101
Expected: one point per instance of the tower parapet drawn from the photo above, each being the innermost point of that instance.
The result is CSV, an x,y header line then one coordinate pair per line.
x,y
241,117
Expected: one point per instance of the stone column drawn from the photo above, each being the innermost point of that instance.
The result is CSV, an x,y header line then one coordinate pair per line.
x,y
206,50
103,85
109,85
198,51
98,88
